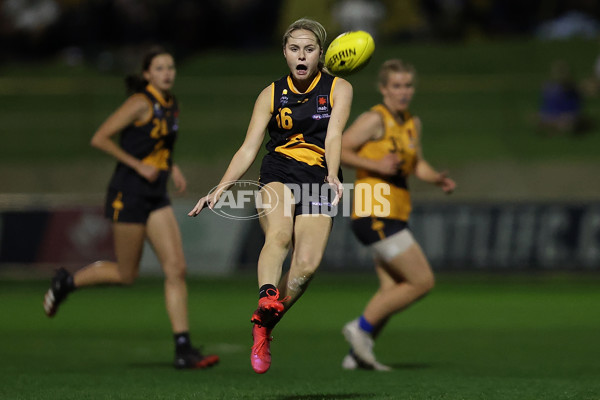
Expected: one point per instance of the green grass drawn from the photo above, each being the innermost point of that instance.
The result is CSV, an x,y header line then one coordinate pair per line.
x,y
482,337
475,100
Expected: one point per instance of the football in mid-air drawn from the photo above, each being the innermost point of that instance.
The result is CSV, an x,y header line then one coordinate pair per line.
x,y
349,52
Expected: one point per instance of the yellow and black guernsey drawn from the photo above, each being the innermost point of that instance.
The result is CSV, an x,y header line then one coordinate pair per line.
x,y
297,130
152,142
370,197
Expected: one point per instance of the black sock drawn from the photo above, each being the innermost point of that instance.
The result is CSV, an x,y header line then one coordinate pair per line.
x,y
70,283
182,341
263,290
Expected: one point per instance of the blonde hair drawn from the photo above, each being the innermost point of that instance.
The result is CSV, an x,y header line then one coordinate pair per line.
x,y
310,25
393,66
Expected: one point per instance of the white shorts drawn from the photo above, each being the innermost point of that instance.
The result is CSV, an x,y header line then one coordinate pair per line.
x,y
390,247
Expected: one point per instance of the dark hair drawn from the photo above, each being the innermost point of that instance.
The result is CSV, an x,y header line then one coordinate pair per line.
x,y
135,82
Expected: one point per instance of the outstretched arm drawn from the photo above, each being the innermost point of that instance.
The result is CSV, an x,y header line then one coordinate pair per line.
x,y
342,101
246,154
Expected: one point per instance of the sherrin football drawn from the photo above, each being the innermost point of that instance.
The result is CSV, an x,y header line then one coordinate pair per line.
x,y
349,52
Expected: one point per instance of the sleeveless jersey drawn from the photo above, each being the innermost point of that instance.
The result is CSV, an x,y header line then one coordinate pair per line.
x,y
151,141
398,138
298,124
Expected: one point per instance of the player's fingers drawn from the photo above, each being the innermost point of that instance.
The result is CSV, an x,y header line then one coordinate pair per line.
x,y
339,192
336,200
449,186
197,208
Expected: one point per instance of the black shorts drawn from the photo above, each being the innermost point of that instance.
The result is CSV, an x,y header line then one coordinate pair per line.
x,y
131,207
312,195
369,230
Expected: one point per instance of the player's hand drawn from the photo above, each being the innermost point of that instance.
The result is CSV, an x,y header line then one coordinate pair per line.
x,y
148,172
198,207
446,183
207,201
178,179
337,186
388,165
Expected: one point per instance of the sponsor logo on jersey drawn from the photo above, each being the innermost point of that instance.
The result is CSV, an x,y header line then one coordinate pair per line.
x,y
322,103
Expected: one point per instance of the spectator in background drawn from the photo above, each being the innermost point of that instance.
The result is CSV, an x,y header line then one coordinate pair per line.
x,y
591,85
572,24
561,108
30,26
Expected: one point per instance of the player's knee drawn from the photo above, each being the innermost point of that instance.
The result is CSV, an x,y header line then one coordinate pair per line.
x,y
175,270
306,264
425,284
280,238
128,277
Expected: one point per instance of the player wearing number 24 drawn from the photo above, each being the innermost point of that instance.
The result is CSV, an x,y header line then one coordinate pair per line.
x,y
137,202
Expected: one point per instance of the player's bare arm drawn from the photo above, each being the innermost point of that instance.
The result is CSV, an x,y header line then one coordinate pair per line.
x,y
368,126
135,108
178,179
425,172
342,101
246,154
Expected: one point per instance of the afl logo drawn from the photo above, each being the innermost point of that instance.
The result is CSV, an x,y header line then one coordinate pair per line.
x,y
234,202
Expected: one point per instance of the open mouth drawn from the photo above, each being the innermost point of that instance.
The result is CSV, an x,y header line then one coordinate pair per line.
x,y
301,67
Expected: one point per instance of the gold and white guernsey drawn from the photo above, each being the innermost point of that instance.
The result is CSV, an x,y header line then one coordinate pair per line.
x,y
373,192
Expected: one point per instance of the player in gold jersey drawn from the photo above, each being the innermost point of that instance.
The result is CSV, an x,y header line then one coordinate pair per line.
x,y
384,145
137,202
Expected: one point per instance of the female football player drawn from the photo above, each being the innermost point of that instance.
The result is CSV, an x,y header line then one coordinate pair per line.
x,y
305,113
384,145
137,201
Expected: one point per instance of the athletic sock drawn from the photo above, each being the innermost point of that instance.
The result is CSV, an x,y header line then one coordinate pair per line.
x,y
70,284
263,290
365,325
182,342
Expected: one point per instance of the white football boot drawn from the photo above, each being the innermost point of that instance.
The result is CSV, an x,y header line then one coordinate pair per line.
x,y
350,363
360,342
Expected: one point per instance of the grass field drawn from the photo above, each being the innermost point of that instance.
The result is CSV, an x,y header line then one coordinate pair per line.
x,y
475,337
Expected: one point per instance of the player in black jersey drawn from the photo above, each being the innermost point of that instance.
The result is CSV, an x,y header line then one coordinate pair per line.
x,y
305,113
137,201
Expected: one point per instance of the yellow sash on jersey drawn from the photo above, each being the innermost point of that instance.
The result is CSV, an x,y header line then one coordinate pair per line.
x,y
298,149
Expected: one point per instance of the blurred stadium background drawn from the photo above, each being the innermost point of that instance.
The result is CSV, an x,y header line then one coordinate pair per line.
x,y
527,201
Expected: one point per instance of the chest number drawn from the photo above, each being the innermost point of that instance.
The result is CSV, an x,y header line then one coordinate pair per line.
x,y
160,128
284,118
